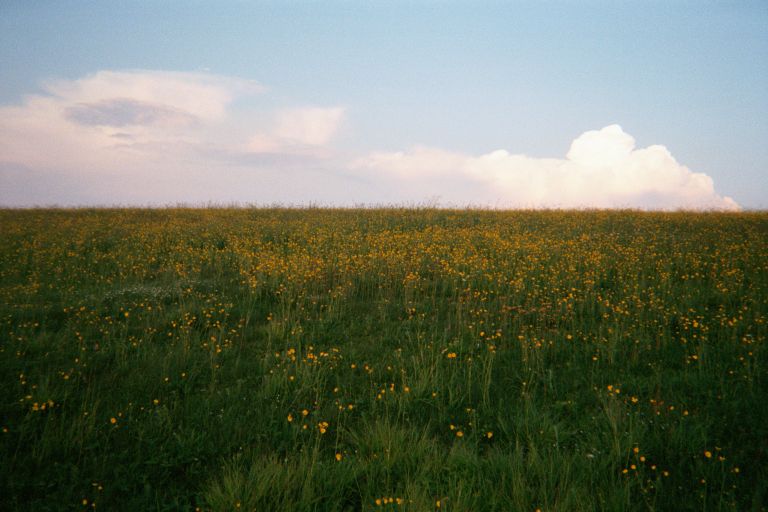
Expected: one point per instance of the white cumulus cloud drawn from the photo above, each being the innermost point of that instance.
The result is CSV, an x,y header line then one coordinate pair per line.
x,y
602,169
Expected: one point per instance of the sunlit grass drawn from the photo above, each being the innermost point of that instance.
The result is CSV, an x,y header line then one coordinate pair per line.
x,y
414,359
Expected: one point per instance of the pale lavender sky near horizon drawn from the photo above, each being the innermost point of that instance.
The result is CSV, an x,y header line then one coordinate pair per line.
x,y
595,103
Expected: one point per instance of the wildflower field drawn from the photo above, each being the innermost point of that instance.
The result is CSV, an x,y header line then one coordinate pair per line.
x,y
383,359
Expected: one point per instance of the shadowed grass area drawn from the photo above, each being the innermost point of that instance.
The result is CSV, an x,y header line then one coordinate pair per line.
x,y
414,359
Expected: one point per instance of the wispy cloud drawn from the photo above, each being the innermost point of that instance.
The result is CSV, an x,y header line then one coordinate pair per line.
x,y
125,112
156,137
92,124
298,130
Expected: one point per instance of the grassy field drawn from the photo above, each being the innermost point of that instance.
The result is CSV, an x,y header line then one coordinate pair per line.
x,y
401,359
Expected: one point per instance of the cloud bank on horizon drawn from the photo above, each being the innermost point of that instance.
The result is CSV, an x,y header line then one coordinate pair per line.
x,y
142,137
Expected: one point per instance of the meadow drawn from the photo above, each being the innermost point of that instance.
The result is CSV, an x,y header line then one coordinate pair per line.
x,y
382,359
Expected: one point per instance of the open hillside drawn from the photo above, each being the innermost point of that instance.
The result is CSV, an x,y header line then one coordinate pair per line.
x,y
383,359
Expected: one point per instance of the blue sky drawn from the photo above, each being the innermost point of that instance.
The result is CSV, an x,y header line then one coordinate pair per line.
x,y
376,92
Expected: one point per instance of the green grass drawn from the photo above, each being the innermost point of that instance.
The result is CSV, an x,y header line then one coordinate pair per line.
x,y
460,360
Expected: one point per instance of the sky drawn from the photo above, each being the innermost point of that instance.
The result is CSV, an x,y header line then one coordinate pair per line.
x,y
558,104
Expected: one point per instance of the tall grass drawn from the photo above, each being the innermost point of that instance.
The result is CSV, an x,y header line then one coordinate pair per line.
x,y
414,359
